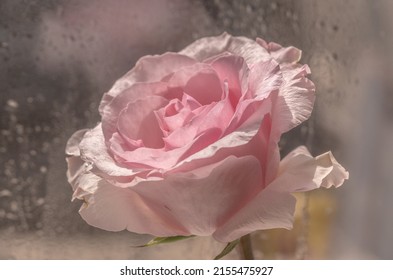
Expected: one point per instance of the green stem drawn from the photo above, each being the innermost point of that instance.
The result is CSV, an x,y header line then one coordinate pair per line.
x,y
246,247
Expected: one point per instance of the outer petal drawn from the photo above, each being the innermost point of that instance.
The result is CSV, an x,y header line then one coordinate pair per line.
x,y
205,198
338,174
263,84
274,206
74,162
147,69
94,151
296,98
300,172
207,47
269,209
115,209
281,54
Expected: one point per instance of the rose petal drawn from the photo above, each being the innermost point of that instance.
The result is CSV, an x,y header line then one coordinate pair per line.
x,y
85,185
215,116
111,111
72,146
281,54
162,159
203,199
234,71
94,150
207,47
300,172
263,83
240,142
147,69
199,81
265,78
274,206
178,113
296,99
269,209
115,209
138,121
74,162
338,174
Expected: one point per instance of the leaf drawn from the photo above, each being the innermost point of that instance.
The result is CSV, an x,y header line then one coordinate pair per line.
x,y
230,246
160,240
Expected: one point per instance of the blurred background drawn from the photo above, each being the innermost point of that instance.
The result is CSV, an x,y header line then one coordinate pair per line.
x,y
58,57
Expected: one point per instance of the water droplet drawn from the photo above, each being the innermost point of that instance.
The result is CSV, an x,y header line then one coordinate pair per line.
x,y
40,201
5,132
19,129
14,181
24,164
12,104
11,216
5,193
14,206
43,169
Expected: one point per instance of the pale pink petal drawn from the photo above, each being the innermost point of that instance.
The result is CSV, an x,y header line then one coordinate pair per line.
x,y
215,116
111,111
74,162
234,72
75,169
72,147
265,78
147,158
181,135
115,209
296,98
338,174
207,47
199,81
241,142
121,150
138,121
201,200
274,206
263,85
94,151
299,172
85,185
269,209
281,54
147,69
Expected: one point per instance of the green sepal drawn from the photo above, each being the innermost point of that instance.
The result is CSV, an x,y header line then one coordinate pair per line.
x,y
161,240
230,246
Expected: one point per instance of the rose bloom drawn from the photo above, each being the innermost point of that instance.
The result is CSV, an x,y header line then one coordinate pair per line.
x,y
188,143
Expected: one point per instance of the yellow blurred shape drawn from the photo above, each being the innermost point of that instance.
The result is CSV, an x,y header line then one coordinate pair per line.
x,y
310,235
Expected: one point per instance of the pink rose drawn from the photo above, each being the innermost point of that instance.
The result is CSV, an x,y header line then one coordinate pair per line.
x,y
188,143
